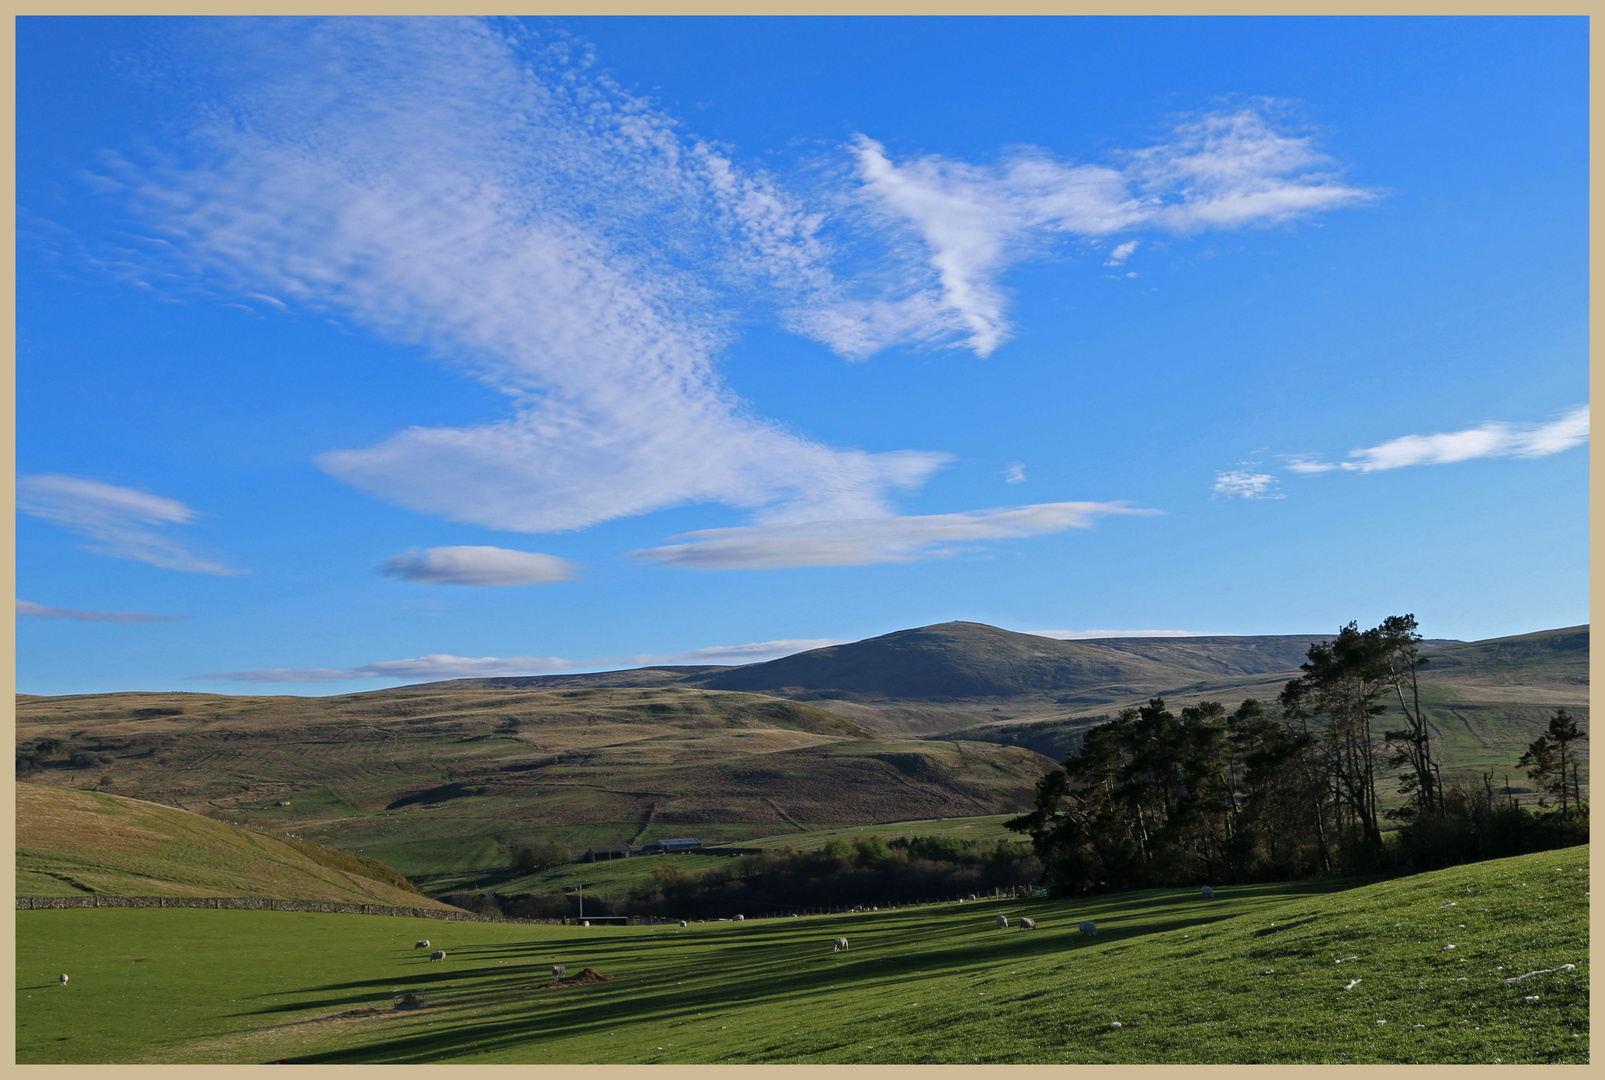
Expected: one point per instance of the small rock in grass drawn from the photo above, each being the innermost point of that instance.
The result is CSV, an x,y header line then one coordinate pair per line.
x,y
1530,999
1114,1023
1381,1022
1446,948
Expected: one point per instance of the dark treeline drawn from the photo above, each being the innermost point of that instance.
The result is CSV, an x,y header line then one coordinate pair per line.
x,y
866,871
1257,794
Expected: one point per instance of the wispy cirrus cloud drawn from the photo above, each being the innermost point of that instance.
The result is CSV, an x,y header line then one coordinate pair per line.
x,y
753,653
446,666
285,675
484,192
40,611
1494,439
479,565
862,541
433,666
1220,170
122,521
521,216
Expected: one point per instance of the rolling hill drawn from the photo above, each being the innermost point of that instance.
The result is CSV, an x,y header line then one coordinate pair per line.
x,y
433,780
452,776
77,843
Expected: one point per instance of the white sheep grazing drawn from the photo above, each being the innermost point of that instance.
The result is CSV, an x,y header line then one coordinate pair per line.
x,y
1209,894
1089,928
840,946
424,944
438,954
558,972
1028,924
682,924
587,922
64,980
1003,920
741,918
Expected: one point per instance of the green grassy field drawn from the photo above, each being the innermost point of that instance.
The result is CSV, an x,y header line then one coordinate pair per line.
x,y
983,827
1256,975
617,878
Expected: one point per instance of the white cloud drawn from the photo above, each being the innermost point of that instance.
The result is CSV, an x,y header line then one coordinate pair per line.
x,y
525,219
433,666
1246,485
445,666
1076,635
1494,439
1217,171
121,520
285,675
28,607
754,653
1122,252
862,541
473,565
1014,473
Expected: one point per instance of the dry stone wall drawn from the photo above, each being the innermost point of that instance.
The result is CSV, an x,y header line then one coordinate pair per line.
x,y
259,903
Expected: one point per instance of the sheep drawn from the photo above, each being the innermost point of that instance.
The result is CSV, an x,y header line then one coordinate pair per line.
x,y
840,946
1209,894
682,924
741,918
63,980
1028,924
972,898
559,972
1089,928
438,954
1003,921
424,944
587,922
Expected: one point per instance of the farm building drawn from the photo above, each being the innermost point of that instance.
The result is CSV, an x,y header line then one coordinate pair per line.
x,y
669,847
608,854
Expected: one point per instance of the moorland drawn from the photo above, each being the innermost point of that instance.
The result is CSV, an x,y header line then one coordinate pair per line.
x,y
954,720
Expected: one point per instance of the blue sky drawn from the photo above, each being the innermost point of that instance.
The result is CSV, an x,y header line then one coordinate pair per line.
x,y
354,353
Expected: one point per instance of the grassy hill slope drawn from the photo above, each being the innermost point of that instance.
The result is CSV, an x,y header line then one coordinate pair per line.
x,y
74,843
433,780
1256,975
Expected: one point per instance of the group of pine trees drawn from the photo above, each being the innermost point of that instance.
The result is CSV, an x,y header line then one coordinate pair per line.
x,y
1154,798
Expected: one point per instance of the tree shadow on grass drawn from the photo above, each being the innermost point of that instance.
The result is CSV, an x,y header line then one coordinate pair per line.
x,y
778,961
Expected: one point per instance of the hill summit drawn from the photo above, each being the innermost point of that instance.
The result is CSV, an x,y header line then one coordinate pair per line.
x,y
958,660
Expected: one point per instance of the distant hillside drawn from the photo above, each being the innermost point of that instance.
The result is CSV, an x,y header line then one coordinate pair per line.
x,y
72,843
1554,658
434,780
973,660
1484,700
933,679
